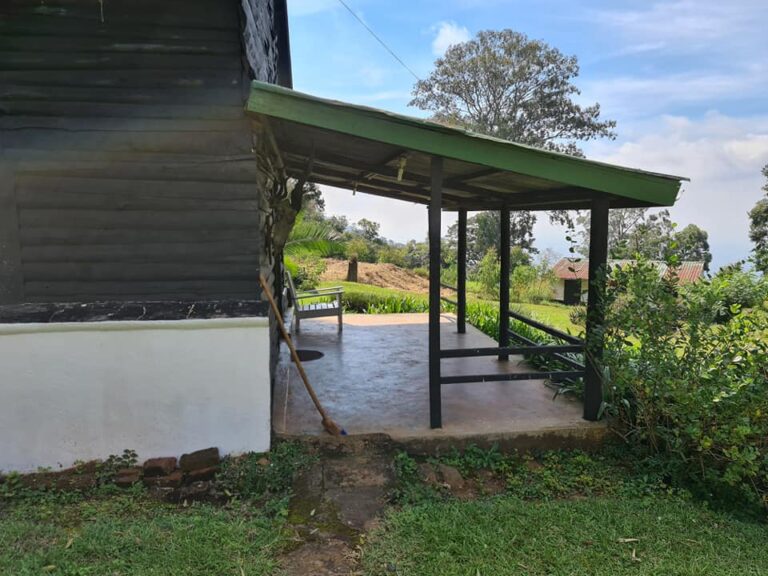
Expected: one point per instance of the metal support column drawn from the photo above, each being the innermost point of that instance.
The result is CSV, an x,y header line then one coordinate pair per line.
x,y
461,274
504,282
598,257
435,207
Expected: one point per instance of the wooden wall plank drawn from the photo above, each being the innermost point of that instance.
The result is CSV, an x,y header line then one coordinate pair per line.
x,y
112,61
117,110
11,279
134,79
89,291
56,44
138,271
56,235
226,96
27,186
37,26
88,201
138,219
224,251
122,125
147,142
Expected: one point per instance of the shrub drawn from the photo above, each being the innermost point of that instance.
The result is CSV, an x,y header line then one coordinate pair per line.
x,y
392,255
687,389
306,272
488,273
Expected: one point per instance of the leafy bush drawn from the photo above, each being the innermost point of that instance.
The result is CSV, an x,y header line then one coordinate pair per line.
x,y
729,288
488,273
685,388
306,272
392,255
369,303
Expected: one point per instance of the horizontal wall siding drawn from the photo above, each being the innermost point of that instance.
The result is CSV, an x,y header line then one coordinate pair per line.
x,y
124,129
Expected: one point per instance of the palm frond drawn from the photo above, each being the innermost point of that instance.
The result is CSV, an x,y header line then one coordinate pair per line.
x,y
312,238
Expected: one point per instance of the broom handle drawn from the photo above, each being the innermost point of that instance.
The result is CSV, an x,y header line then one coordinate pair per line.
x,y
294,354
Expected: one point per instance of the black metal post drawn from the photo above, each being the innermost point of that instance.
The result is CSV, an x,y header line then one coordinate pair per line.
x,y
598,258
461,274
504,282
435,207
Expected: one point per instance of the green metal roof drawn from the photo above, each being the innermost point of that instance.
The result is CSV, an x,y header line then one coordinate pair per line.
x,y
361,148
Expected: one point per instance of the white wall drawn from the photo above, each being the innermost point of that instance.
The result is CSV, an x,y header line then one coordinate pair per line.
x,y
79,391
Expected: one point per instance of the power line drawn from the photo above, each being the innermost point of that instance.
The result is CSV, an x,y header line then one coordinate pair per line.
x,y
379,40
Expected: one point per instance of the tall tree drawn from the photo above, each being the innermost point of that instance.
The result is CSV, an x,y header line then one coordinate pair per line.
x,y
483,234
503,84
692,243
758,229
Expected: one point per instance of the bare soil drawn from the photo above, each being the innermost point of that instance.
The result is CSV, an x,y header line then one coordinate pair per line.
x,y
383,275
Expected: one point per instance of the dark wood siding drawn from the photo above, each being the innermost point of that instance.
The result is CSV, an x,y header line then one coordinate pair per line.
x,y
125,152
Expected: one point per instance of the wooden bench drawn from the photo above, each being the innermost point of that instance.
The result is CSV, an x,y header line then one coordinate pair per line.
x,y
315,309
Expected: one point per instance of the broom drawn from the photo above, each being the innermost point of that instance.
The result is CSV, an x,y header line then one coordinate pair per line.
x,y
330,426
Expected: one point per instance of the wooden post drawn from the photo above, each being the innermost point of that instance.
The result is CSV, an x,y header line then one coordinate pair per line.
x,y
504,282
461,274
598,258
11,281
435,206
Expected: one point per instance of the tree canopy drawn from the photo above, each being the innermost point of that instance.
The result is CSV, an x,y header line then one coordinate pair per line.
x,y
636,232
758,229
503,84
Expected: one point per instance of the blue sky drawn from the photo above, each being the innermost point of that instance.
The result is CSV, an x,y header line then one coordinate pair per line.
x,y
686,80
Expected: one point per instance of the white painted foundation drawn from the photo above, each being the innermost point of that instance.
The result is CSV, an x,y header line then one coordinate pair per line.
x,y
81,391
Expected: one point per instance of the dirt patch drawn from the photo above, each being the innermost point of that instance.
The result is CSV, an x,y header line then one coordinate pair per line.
x,y
334,503
383,275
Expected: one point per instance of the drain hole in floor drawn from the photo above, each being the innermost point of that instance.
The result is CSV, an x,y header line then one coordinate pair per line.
x,y
309,355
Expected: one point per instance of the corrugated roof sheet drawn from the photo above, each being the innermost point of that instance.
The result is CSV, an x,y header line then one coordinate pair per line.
x,y
571,269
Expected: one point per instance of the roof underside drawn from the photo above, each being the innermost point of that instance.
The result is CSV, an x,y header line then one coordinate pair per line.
x,y
362,149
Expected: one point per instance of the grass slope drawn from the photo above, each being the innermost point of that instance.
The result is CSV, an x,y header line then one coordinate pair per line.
x,y
601,536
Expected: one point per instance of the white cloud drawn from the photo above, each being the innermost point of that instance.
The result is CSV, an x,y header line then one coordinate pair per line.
x,y
688,25
722,155
448,34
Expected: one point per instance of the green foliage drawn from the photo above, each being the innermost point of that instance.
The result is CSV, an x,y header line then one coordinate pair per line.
x,y
108,469
389,254
506,85
637,536
758,229
730,290
126,534
489,273
306,272
686,388
359,249
263,478
312,238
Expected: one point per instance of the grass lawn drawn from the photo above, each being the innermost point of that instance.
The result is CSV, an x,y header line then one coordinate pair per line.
x,y
129,534
552,314
601,536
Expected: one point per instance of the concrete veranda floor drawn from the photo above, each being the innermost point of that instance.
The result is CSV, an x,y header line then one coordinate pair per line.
x,y
373,378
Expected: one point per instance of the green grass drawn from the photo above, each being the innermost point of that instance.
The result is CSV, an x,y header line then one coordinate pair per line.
x,y
506,535
550,313
129,534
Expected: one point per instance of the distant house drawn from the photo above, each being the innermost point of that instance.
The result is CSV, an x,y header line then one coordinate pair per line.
x,y
572,276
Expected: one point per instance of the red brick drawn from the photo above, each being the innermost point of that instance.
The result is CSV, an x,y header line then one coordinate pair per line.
x,y
199,459
202,473
159,466
127,477
172,480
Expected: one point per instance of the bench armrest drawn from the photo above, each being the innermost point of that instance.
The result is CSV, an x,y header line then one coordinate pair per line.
x,y
320,292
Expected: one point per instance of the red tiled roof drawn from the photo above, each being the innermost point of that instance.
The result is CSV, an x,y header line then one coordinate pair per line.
x,y
571,269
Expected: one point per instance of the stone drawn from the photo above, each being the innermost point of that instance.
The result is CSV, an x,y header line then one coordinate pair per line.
x,y
159,466
451,476
172,480
199,459
202,474
195,492
127,477
427,473
163,494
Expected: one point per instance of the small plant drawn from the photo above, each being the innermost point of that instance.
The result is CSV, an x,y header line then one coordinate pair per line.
x,y
265,478
107,470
